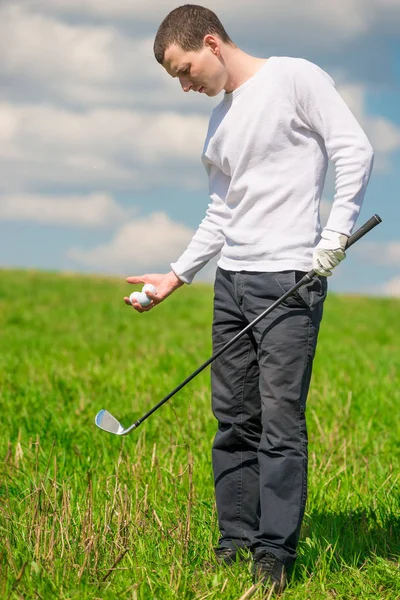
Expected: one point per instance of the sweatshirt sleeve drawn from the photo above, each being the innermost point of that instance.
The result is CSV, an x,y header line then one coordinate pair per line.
x,y
209,237
325,112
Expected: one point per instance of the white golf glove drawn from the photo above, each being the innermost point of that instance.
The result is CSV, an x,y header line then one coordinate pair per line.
x,y
329,252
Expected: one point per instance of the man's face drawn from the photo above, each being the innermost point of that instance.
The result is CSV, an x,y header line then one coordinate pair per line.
x,y
199,71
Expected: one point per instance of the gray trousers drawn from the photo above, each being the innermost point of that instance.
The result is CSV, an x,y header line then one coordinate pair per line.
x,y
259,391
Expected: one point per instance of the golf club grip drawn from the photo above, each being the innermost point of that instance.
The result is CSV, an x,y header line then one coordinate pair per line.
x,y
370,224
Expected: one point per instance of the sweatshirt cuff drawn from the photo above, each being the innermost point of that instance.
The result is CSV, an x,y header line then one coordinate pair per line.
x,y
184,274
180,277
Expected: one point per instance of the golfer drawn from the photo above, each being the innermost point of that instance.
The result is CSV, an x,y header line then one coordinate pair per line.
x,y
266,155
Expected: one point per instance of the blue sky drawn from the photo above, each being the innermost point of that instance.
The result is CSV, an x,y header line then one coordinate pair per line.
x,y
100,150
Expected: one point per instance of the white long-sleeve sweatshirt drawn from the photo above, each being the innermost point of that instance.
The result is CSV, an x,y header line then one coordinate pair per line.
x,y
266,154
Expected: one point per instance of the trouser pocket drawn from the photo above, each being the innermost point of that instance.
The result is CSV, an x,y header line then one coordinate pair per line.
x,y
308,295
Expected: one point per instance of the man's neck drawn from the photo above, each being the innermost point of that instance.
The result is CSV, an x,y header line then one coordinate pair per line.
x,y
241,67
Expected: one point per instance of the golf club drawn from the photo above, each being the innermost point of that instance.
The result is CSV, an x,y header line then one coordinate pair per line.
x,y
104,420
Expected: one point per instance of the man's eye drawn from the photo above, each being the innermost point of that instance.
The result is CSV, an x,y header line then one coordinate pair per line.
x,y
186,71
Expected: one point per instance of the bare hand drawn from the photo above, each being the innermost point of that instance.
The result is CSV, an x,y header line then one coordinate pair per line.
x,y
165,284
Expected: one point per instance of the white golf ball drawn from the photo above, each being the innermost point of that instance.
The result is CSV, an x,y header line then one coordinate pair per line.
x,y
133,296
149,287
140,297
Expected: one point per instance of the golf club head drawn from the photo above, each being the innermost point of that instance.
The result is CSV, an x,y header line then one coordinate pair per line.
x,y
108,423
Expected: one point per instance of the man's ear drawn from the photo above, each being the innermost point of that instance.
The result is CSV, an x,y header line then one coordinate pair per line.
x,y
213,43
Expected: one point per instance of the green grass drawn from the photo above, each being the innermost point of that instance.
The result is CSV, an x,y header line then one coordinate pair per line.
x,y
87,515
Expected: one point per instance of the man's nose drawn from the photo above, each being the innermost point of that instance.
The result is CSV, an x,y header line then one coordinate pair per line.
x,y
185,84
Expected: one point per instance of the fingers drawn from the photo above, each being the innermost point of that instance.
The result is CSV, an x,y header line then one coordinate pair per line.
x,y
132,301
137,306
136,279
322,268
326,260
322,273
153,297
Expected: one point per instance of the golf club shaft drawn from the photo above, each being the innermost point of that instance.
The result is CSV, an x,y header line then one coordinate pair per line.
x,y
370,224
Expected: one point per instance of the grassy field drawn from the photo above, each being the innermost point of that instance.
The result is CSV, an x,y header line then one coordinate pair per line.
x,y
84,514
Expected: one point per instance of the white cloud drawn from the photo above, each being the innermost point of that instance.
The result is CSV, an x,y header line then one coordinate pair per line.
x,y
140,245
97,210
381,253
83,64
343,18
391,287
313,23
354,96
385,135
47,144
106,8
382,133
81,52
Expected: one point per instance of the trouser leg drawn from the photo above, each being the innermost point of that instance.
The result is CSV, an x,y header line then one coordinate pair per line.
x,y
237,407
286,343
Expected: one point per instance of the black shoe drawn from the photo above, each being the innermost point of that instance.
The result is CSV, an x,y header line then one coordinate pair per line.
x,y
268,569
229,556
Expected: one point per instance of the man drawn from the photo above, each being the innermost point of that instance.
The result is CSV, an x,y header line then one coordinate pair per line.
x,y
266,155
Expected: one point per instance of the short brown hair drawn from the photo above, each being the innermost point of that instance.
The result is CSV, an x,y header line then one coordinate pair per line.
x,y
186,26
